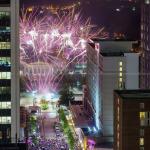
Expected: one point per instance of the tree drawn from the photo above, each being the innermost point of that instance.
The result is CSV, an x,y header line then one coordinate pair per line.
x,y
67,129
66,95
44,104
32,122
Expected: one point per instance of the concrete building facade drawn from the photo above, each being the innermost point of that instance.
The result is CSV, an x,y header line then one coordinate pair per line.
x,y
9,71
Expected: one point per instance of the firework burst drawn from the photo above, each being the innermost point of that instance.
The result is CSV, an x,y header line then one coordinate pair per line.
x,y
49,44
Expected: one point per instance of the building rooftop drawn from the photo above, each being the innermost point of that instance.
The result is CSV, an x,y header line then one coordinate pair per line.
x,y
115,47
134,94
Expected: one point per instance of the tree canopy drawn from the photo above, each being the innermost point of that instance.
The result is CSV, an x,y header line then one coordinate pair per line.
x,y
66,95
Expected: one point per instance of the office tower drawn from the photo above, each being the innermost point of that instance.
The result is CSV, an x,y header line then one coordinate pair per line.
x,y
131,119
145,45
94,83
111,65
9,71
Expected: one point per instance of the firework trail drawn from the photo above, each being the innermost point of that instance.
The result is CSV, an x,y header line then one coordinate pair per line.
x,y
49,44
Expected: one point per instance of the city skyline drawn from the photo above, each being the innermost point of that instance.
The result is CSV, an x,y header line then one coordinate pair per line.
x,y
74,74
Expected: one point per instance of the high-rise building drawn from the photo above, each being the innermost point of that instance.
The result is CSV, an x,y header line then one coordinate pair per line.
x,y
120,71
9,71
111,65
131,119
145,45
94,82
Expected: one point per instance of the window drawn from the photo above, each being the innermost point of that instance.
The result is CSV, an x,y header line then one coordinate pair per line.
x,y
8,133
141,141
141,148
5,75
141,132
5,120
5,61
4,45
5,90
120,63
5,105
142,105
120,79
120,69
144,118
120,74
142,115
4,18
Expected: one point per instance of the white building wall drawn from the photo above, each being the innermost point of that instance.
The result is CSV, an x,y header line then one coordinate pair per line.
x,y
130,65
132,71
109,83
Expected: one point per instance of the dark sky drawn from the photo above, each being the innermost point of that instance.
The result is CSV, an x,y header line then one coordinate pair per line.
x,y
115,16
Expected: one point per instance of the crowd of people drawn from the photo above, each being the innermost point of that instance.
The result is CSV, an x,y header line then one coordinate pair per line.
x,y
49,144
57,143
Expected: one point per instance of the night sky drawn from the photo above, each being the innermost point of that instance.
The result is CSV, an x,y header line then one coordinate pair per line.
x,y
104,13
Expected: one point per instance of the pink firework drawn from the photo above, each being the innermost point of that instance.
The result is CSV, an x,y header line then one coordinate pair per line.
x,y
49,44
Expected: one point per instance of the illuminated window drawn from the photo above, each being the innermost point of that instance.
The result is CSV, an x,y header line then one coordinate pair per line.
x,y
5,105
120,63
5,120
120,74
5,61
142,115
120,69
5,45
5,75
141,141
120,79
142,118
